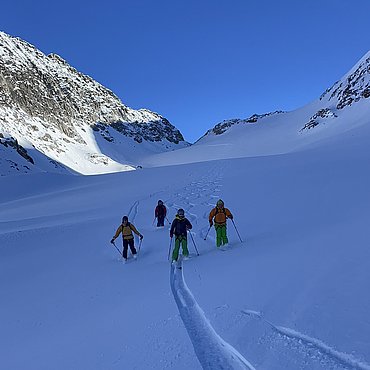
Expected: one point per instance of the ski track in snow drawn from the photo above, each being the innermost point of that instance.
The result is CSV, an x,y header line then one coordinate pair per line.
x,y
212,351
198,193
132,213
342,359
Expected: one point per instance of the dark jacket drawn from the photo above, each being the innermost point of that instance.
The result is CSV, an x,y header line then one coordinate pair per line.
x,y
180,226
160,211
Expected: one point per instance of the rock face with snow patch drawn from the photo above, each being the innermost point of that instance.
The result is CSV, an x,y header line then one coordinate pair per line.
x,y
351,88
15,159
222,127
61,111
321,115
13,143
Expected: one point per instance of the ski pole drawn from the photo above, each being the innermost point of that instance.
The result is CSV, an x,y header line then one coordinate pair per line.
x,y
193,242
117,248
207,233
168,221
153,221
141,240
237,230
169,250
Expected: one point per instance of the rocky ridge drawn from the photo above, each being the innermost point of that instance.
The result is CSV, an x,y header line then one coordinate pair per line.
x,y
223,126
352,88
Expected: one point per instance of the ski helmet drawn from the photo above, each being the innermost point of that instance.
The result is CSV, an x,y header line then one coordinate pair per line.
x,y
124,219
181,212
220,203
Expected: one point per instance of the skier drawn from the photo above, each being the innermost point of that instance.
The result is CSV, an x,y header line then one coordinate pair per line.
x,y
126,228
160,213
220,214
180,226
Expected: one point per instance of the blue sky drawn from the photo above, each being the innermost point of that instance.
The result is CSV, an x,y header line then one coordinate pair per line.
x,y
200,62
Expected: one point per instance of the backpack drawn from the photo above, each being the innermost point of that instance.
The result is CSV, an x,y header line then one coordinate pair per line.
x,y
128,224
218,210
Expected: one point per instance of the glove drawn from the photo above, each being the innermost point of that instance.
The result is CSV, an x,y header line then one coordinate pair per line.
x,y
171,235
112,241
231,217
141,237
210,223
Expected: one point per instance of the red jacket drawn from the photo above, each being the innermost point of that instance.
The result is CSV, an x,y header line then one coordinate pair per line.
x,y
160,211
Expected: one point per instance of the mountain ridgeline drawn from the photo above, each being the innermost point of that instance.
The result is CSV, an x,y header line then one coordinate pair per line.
x,y
353,88
48,105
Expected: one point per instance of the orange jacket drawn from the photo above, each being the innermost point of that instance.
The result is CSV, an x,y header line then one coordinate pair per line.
x,y
126,231
220,215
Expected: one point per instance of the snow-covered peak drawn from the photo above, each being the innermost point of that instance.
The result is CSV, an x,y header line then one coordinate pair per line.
x,y
352,87
363,62
64,114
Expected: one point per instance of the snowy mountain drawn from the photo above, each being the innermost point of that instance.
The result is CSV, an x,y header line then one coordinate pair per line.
x,y
343,107
48,106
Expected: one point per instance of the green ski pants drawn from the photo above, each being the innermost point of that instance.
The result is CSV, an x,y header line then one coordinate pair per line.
x,y
221,237
184,243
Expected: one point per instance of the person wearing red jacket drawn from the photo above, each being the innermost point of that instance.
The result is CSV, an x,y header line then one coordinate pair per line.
x,y
160,213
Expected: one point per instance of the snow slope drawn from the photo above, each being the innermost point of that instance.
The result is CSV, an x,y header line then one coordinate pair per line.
x,y
293,295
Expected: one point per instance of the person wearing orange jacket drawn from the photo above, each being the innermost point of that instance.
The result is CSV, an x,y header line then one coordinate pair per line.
x,y
218,216
126,228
